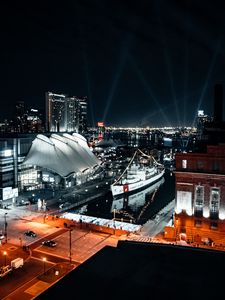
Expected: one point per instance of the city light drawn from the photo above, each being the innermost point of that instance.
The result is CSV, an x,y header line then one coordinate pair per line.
x,y
4,255
44,261
7,153
222,215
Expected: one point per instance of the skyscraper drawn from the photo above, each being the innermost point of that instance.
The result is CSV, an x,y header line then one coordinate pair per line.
x,y
55,112
71,112
82,114
66,114
20,117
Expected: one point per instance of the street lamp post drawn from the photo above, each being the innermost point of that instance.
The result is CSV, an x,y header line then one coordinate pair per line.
x,y
4,254
6,227
44,261
176,228
114,214
70,246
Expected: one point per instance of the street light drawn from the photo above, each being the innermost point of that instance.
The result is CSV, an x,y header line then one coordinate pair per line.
x,y
5,227
70,245
4,254
114,214
176,228
44,261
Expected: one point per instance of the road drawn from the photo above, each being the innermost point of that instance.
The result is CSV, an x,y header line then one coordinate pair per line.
x,y
24,283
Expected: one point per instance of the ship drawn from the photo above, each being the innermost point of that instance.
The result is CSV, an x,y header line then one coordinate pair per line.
x,y
142,171
137,200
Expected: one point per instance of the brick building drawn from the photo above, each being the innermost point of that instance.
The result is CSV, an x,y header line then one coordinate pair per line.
x,y
200,194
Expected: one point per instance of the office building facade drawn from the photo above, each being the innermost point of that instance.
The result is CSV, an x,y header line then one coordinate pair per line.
x,y
66,114
55,112
13,175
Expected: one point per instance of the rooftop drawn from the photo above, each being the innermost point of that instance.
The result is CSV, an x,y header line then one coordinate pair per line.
x,y
146,271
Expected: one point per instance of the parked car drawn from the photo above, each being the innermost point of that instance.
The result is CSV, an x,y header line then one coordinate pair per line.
x,y
30,233
4,270
49,243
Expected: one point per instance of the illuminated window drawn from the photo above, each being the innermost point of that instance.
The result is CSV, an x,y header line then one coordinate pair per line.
x,y
6,153
199,200
184,163
214,202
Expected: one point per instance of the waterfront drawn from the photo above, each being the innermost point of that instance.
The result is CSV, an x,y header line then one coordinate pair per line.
x,y
137,208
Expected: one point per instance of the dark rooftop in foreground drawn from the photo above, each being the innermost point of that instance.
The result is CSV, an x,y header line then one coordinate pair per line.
x,y
144,271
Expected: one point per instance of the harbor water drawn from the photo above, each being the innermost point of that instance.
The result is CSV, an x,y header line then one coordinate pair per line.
x,y
136,208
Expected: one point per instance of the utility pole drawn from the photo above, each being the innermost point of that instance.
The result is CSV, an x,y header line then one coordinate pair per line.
x,y
4,254
5,228
70,246
44,261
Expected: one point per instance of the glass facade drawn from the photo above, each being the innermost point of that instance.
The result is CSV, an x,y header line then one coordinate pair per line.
x,y
66,114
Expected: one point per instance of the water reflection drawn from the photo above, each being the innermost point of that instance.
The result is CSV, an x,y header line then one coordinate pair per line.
x,y
138,208
133,206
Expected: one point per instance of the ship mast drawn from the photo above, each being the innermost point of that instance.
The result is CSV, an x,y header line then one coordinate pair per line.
x,y
126,168
150,156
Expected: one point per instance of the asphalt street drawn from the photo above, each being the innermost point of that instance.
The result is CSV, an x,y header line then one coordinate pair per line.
x,y
73,250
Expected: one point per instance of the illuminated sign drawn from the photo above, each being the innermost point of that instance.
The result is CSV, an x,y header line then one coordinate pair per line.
x,y
46,177
200,113
15,192
7,153
7,193
101,124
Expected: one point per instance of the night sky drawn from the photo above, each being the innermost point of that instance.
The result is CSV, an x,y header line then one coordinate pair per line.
x,y
140,63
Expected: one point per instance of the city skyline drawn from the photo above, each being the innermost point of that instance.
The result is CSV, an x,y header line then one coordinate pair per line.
x,y
139,64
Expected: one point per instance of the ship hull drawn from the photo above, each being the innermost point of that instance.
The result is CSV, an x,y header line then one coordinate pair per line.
x,y
128,188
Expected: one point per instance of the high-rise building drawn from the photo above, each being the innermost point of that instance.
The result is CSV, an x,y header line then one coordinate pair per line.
x,y
72,115
214,130
66,114
82,114
202,118
20,117
20,109
34,120
56,118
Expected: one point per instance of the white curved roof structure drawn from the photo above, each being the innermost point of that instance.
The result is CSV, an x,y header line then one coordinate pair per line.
x,y
81,145
63,155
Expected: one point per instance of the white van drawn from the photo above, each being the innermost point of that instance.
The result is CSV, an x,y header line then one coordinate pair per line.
x,y
17,263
